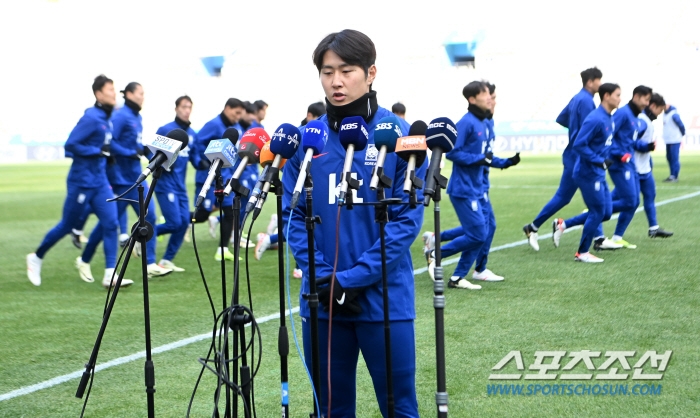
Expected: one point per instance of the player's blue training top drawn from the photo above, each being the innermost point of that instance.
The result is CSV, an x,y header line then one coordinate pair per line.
x,y
84,145
214,129
572,117
467,179
627,126
593,144
359,257
173,180
497,162
127,130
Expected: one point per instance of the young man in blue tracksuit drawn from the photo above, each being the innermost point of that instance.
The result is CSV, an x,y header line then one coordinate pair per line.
x,y
345,61
89,145
480,270
127,150
673,135
214,129
572,117
625,196
643,147
171,191
593,145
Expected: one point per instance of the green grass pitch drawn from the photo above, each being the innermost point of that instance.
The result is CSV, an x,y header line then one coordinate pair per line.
x,y
637,300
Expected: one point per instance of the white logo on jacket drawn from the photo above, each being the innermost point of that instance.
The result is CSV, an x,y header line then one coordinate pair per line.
x,y
371,155
334,192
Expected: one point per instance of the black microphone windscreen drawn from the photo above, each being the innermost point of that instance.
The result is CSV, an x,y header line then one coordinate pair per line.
x,y
418,128
232,135
179,135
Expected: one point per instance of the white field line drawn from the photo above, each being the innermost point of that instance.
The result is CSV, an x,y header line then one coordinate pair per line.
x,y
181,343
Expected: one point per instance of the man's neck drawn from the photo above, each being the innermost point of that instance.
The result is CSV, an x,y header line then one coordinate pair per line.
x,y
608,108
590,90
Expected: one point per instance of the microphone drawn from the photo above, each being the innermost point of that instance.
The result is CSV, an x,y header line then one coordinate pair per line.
x,y
165,150
249,152
353,137
222,153
282,146
440,138
386,133
313,142
412,149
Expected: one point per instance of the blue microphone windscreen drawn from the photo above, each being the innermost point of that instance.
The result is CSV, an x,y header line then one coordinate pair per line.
x,y
353,130
387,132
179,135
285,141
441,133
232,135
315,137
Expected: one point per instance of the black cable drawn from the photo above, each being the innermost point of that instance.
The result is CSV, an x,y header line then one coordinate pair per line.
x,y
124,194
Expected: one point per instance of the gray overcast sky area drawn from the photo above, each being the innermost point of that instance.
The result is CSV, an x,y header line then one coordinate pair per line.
x,y
533,51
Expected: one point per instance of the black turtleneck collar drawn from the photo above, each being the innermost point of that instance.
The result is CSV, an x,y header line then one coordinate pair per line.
x,y
132,105
224,119
105,108
476,111
650,114
184,125
635,110
366,106
245,125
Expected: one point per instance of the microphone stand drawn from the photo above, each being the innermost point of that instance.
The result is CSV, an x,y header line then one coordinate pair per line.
x,y
141,231
381,216
439,303
312,296
236,318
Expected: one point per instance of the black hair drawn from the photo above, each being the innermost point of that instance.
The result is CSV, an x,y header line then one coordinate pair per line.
x,y
642,91
607,88
399,108
131,87
353,47
260,104
234,103
473,89
100,82
181,98
317,109
590,74
491,87
249,107
657,99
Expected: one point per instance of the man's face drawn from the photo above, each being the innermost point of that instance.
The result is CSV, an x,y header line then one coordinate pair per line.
x,y
641,101
262,113
233,113
107,96
493,103
310,117
136,96
344,83
593,85
613,100
656,109
482,100
184,110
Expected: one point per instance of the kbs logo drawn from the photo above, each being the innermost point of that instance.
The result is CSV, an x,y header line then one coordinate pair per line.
x,y
348,126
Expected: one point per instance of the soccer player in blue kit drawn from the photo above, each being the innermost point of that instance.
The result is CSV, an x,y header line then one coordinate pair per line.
x,y
593,145
572,117
171,191
127,150
625,196
89,145
346,65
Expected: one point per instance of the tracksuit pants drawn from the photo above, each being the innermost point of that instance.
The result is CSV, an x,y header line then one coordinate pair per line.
x,y
648,189
482,257
673,158
349,338
97,233
566,191
472,236
597,196
175,208
77,199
